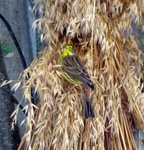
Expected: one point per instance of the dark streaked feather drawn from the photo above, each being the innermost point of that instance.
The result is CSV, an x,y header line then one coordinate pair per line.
x,y
75,69
88,109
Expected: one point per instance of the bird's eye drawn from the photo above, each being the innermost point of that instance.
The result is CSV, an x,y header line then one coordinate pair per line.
x,y
70,47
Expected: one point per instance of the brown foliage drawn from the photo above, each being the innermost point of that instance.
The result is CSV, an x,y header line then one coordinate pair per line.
x,y
102,36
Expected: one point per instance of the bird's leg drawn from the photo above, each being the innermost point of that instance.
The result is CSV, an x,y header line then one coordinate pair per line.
x,y
86,91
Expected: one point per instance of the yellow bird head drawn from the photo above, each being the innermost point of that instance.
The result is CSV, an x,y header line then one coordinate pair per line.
x,y
68,51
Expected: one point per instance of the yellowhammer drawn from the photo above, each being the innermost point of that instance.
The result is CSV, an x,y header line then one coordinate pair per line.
x,y
74,71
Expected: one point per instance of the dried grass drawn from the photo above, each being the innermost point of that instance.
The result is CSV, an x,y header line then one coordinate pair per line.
x,y
100,33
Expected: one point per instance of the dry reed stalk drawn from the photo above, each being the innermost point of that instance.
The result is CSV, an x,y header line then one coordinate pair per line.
x,y
101,33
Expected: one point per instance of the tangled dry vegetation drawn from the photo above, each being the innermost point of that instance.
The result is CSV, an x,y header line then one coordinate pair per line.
x,y
102,36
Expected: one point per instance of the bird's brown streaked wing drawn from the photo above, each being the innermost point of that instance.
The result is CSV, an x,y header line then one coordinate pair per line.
x,y
73,65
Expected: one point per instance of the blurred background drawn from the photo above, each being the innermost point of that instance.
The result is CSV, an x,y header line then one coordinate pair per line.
x,y
20,17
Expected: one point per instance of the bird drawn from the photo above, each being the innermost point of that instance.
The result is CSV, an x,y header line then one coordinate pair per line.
x,y
72,68
74,72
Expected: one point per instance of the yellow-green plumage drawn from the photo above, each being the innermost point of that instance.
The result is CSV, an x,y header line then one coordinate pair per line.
x,y
72,68
74,71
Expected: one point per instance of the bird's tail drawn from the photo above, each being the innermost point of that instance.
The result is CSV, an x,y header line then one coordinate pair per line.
x,y
88,111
